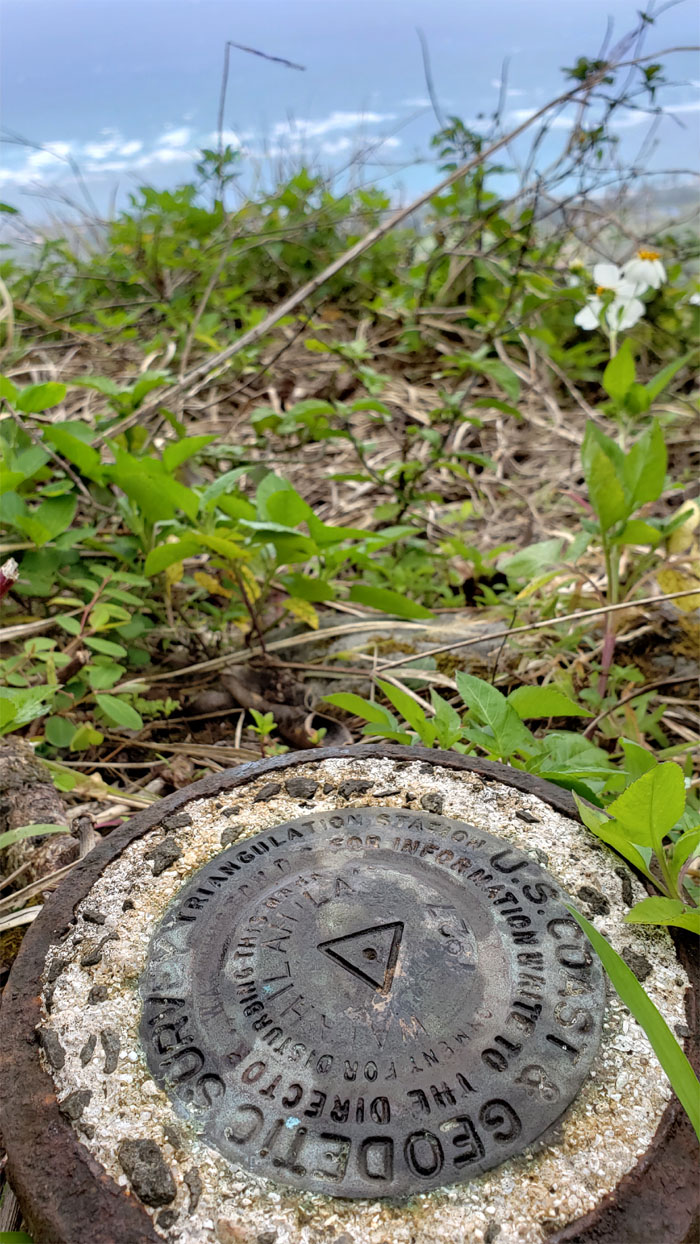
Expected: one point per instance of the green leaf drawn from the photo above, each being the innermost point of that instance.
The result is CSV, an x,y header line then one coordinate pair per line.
x,y
105,646
15,1237
68,623
386,601
657,910
30,831
59,731
687,846
619,375
119,712
174,455
532,560
355,704
83,456
610,832
447,721
410,711
53,517
669,1053
637,400
225,548
602,468
167,554
146,483
650,807
84,737
638,759
636,531
492,708
658,384
101,384
221,485
8,390
530,702
38,397
644,467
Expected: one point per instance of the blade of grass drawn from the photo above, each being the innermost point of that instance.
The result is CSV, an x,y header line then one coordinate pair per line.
x,y
684,1081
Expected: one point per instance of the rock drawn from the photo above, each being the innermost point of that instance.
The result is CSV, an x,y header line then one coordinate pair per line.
x,y
433,802
267,792
55,970
147,1172
529,820
354,786
301,787
166,1219
195,1187
52,1047
98,993
93,917
73,1105
178,820
232,811
626,886
111,1045
162,855
266,1237
639,965
597,902
88,1050
94,955
232,834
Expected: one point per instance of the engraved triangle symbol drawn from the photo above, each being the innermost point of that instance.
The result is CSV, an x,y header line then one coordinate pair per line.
x,y
370,954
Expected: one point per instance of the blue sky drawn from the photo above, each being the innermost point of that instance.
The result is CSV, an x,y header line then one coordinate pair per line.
x,y
129,88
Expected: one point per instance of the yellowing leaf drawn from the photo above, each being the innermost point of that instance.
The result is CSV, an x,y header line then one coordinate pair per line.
x,y
682,537
303,610
541,581
173,573
677,581
251,586
211,585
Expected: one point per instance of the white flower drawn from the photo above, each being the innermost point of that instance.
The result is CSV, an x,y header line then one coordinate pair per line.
x,y
623,314
623,311
609,276
694,300
589,316
646,269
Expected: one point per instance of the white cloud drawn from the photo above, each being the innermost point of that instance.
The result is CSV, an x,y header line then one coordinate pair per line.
x,y
692,105
112,143
49,153
302,128
559,122
336,145
416,101
175,138
166,155
230,138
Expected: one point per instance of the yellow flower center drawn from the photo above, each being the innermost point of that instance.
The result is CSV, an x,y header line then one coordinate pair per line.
x,y
649,254
602,289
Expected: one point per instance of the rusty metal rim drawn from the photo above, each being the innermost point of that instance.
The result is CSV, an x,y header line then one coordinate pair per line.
x,y
67,1197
